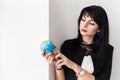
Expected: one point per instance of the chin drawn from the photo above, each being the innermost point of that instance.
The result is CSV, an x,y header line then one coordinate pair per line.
x,y
83,34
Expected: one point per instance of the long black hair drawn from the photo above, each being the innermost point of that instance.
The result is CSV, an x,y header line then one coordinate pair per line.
x,y
98,14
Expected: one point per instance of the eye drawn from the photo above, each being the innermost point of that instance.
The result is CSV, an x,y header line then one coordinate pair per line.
x,y
82,19
92,23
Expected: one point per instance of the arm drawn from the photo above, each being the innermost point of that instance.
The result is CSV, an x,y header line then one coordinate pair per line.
x,y
77,69
59,74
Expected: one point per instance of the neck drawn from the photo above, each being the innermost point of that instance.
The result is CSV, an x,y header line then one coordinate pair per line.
x,y
87,40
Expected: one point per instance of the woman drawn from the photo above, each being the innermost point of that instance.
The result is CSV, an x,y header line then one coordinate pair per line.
x,y
89,56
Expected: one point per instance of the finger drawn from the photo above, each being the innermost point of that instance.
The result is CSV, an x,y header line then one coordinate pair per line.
x,y
60,65
48,59
57,50
59,61
59,56
43,53
49,56
52,60
46,56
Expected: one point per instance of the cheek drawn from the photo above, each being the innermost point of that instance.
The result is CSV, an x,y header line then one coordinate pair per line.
x,y
81,25
93,30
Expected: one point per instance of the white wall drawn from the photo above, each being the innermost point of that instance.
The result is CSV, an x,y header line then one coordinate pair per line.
x,y
63,24
23,25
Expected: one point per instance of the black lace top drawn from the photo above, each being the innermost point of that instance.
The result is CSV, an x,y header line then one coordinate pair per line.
x,y
87,48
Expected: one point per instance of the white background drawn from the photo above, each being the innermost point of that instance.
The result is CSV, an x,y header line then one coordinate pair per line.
x,y
63,24
23,25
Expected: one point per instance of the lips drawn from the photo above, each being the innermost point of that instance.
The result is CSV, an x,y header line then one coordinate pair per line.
x,y
83,30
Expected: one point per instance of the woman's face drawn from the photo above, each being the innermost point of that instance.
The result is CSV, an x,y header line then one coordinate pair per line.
x,y
88,27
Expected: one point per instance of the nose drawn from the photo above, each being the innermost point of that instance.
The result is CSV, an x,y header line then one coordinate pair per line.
x,y
85,24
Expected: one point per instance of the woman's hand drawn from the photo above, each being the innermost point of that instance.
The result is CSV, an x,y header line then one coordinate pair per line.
x,y
50,57
57,58
62,60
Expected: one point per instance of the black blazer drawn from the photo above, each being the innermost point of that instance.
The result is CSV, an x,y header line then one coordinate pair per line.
x,y
100,72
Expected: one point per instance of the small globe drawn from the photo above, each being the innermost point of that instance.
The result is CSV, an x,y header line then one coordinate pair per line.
x,y
47,46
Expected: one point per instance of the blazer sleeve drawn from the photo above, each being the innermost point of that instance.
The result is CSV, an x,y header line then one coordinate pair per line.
x,y
65,51
105,72
65,48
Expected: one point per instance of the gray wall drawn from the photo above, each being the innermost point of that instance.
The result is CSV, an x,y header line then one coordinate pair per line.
x,y
63,24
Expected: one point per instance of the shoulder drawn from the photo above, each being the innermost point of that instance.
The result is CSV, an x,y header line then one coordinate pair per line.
x,y
69,43
108,50
109,47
